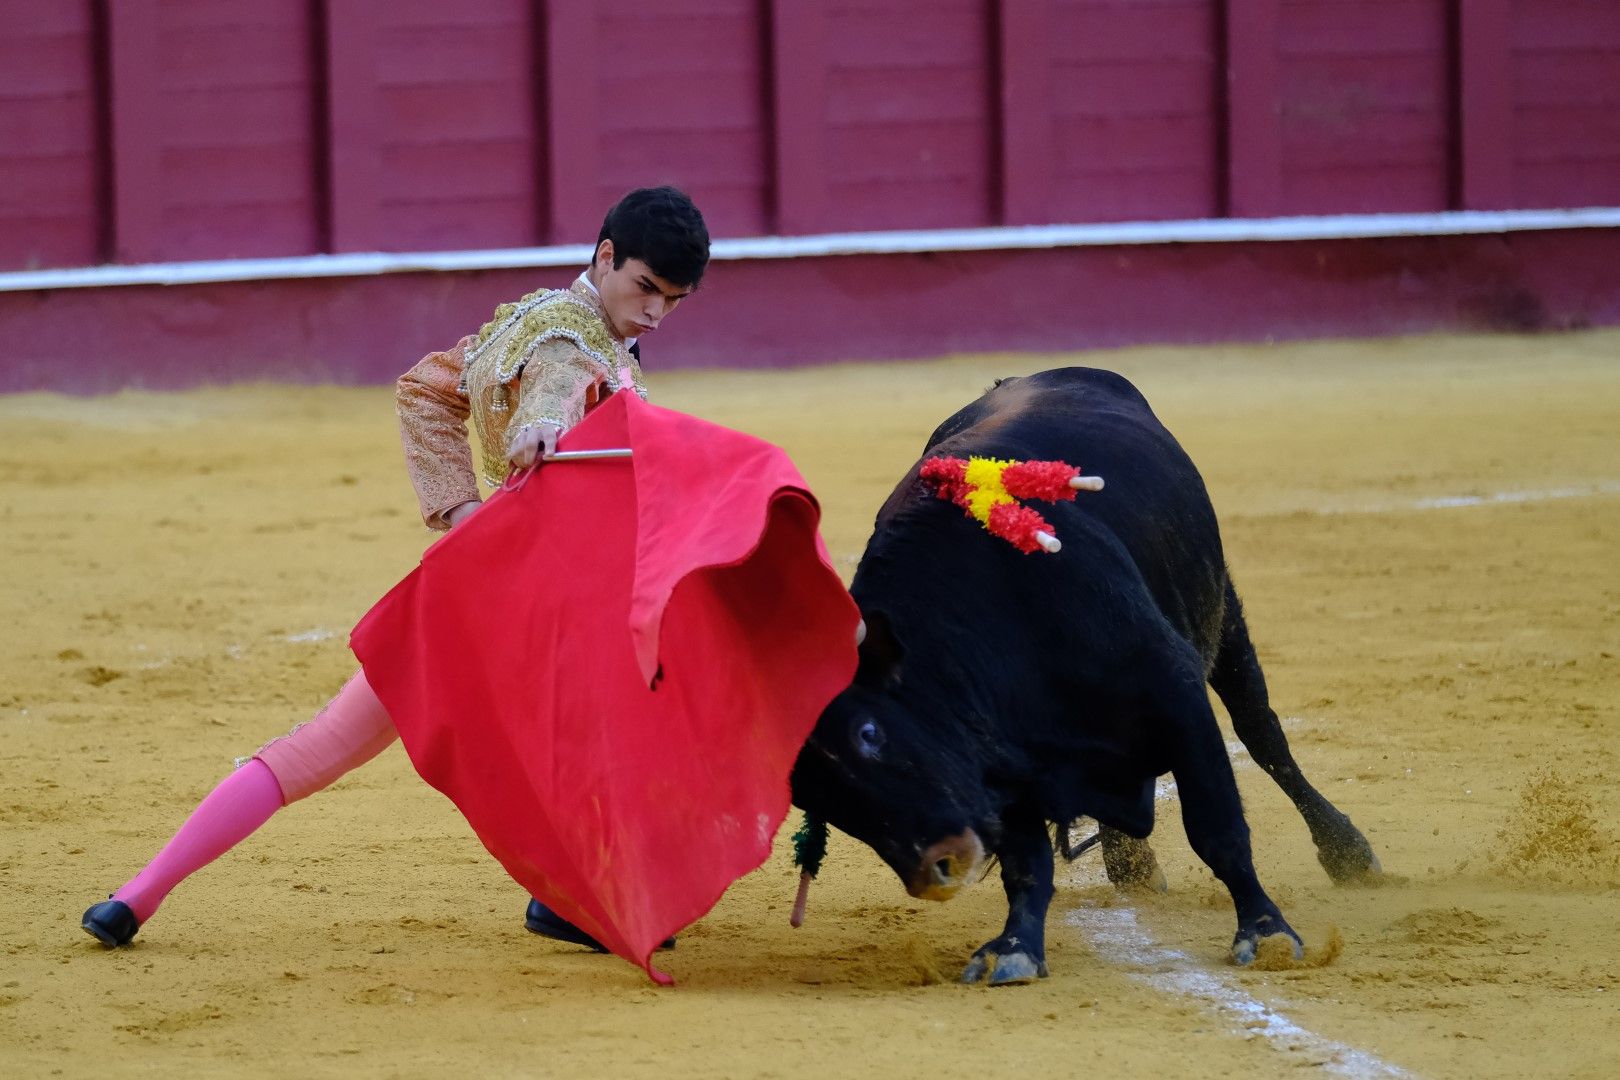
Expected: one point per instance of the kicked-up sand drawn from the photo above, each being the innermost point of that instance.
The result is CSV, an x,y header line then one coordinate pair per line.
x,y
1425,535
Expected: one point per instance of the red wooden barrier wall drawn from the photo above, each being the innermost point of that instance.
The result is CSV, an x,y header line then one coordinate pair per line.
x,y
52,149
1133,110
146,130
141,131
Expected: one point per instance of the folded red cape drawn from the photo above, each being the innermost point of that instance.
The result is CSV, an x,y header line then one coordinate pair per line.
x,y
610,668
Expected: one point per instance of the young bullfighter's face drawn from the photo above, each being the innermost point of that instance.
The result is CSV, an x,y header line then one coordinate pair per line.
x,y
634,298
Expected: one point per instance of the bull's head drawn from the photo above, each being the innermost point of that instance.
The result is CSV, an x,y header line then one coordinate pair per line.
x,y
899,775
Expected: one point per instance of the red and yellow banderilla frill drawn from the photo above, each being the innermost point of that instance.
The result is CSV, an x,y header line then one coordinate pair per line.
x,y
990,491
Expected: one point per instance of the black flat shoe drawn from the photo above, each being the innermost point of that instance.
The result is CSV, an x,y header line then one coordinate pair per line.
x,y
111,923
541,920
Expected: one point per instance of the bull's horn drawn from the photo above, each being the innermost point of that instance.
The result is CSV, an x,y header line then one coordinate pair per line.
x,y
860,633
1049,543
1086,483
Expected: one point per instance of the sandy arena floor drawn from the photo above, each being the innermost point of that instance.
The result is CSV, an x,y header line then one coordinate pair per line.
x,y
1424,532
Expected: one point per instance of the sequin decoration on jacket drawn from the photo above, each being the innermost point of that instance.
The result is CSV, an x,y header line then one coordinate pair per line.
x,y
548,358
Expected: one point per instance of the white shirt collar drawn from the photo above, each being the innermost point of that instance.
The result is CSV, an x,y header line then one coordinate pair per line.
x,y
585,276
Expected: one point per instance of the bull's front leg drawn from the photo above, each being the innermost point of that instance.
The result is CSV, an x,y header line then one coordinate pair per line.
x,y
1019,954
1212,814
1219,836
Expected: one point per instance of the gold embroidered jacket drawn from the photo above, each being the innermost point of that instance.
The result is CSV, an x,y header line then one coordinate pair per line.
x,y
545,359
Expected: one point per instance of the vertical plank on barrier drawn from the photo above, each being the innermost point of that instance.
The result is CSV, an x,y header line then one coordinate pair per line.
x,y
353,172
573,155
1253,109
1024,66
798,67
135,126
1484,104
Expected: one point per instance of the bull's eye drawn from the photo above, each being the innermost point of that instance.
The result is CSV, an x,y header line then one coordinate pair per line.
x,y
869,739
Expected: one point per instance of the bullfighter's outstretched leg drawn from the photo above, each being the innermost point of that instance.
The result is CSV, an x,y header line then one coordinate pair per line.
x,y
1343,852
352,729
1211,810
1019,954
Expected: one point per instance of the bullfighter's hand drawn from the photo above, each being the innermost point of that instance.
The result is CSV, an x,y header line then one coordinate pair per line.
x,y
457,514
532,444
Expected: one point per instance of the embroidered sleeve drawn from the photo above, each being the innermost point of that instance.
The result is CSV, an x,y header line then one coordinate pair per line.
x,y
636,382
558,385
433,412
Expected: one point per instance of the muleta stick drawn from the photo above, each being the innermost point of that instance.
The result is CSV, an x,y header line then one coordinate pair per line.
x,y
585,455
518,477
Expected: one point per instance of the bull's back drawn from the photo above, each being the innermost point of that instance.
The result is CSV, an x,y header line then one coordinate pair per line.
x,y
1155,506
1096,420
1033,400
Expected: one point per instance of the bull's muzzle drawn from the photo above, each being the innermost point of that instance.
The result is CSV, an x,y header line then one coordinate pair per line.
x,y
946,866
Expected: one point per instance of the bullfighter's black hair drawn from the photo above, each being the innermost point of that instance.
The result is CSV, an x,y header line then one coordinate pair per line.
x,y
662,227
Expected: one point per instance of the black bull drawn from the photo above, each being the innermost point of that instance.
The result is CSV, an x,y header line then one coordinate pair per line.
x,y
999,691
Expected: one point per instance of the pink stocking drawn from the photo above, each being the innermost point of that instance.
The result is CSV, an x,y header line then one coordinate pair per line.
x,y
350,731
241,803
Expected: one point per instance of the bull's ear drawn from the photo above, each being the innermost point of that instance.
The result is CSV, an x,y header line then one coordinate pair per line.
x,y
881,652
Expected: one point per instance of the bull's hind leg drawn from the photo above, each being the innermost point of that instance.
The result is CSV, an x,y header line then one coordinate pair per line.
x,y
1019,954
1343,852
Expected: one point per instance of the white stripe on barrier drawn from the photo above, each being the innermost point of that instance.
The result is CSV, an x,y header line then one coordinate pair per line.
x,y
1002,238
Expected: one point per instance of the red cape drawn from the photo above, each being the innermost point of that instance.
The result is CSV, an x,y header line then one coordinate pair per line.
x,y
610,669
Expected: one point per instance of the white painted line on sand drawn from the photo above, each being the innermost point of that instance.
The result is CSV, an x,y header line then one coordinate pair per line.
x,y
1453,502
1499,497
1115,936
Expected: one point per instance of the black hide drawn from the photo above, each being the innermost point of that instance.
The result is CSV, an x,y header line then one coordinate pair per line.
x,y
1000,691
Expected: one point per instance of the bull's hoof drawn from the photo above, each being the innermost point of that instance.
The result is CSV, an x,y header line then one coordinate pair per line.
x,y
1351,861
1012,967
1131,864
1016,969
1248,938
